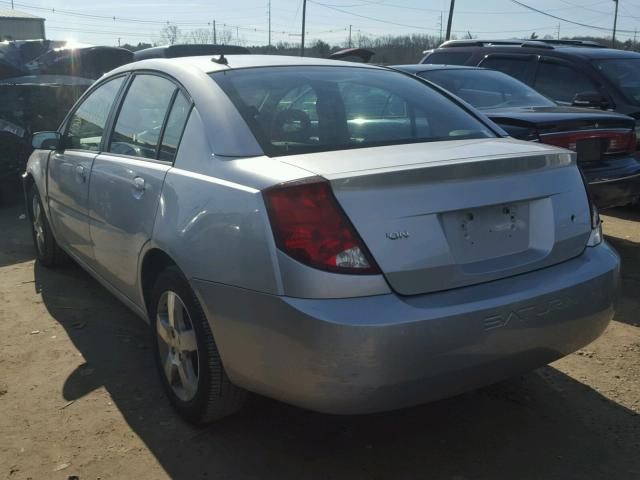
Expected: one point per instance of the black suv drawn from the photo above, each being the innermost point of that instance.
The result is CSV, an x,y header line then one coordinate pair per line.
x,y
577,73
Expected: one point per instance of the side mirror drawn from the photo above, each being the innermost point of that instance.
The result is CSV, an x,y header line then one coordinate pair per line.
x,y
590,100
46,141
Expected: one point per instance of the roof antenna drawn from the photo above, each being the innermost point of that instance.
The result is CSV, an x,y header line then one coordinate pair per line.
x,y
222,60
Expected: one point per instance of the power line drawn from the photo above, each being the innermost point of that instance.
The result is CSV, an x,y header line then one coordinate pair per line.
x,y
458,12
388,22
371,18
595,27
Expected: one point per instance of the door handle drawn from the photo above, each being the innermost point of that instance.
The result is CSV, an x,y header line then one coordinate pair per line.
x,y
138,184
80,172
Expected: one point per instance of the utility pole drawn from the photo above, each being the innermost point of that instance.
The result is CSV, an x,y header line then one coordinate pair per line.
x,y
453,2
635,34
349,36
269,23
118,41
214,33
615,23
304,19
441,24
558,31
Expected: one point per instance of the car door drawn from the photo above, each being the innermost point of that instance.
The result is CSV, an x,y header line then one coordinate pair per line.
x,y
561,80
127,178
68,169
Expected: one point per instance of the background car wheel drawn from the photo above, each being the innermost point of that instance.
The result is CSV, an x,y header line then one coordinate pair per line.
x,y
48,253
186,354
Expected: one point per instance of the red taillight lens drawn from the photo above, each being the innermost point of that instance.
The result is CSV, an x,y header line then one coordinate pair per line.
x,y
309,225
593,210
612,141
595,238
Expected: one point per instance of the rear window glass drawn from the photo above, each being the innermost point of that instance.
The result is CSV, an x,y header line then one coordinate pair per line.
x,y
448,58
486,89
515,66
298,109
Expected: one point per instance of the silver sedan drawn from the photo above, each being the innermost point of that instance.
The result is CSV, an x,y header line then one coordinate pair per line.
x,y
338,236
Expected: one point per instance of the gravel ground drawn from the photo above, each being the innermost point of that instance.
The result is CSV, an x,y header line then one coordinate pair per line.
x,y
79,397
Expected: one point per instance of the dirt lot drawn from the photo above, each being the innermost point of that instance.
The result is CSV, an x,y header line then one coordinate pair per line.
x,y
79,396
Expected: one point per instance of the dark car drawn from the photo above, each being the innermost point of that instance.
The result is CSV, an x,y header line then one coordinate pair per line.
x,y
604,141
571,72
39,81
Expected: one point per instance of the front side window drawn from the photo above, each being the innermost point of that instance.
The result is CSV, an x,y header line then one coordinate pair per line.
x,y
486,89
624,73
561,82
86,125
139,124
298,109
515,66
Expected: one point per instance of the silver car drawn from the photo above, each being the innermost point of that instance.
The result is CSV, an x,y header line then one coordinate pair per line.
x,y
337,236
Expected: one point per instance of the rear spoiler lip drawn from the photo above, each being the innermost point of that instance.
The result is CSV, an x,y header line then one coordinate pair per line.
x,y
362,53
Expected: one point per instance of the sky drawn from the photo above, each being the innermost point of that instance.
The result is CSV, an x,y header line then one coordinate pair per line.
x,y
108,22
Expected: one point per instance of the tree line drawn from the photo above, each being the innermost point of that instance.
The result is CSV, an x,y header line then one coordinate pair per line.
x,y
389,49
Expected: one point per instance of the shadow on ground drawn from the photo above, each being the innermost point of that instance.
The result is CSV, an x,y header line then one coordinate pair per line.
x,y
543,425
624,213
628,307
15,232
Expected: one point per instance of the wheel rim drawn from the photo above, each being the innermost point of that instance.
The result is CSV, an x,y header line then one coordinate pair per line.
x,y
177,346
38,224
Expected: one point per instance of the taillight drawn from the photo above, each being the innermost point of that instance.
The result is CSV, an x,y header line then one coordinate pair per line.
x,y
596,224
309,225
612,141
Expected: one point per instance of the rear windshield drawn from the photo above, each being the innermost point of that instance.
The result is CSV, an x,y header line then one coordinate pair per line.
x,y
624,73
487,89
296,109
448,58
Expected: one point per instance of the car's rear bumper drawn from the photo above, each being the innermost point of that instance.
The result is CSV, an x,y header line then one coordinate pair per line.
x,y
615,183
368,354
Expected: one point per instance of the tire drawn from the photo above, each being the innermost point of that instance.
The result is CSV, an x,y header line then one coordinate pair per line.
x,y
48,252
195,382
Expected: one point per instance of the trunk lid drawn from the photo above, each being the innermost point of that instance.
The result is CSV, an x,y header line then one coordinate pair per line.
x,y
449,214
598,131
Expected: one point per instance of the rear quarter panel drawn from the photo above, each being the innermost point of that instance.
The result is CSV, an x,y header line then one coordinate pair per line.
x,y
211,218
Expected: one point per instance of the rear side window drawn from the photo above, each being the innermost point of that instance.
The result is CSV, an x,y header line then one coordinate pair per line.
x,y
516,66
448,58
175,126
561,82
86,125
299,109
139,124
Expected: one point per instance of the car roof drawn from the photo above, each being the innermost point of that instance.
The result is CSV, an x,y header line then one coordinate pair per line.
x,y
210,64
576,48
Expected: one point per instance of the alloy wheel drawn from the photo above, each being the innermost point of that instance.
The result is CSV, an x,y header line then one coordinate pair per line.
x,y
38,224
177,346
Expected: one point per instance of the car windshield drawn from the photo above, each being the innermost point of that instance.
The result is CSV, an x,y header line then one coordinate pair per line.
x,y
487,89
301,109
624,73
